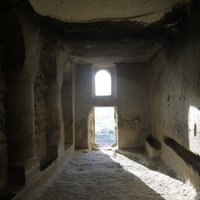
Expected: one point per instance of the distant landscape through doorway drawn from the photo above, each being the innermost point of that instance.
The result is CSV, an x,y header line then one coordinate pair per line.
x,y
105,126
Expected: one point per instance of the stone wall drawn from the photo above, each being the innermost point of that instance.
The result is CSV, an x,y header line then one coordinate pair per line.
x,y
174,90
132,104
84,104
174,86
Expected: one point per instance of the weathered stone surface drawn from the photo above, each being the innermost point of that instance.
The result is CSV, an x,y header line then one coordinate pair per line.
x,y
175,94
156,86
67,112
23,173
174,87
131,102
54,129
40,117
48,61
19,127
83,11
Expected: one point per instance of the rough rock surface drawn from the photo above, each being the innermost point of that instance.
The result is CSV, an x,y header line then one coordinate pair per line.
x,y
109,174
83,11
40,116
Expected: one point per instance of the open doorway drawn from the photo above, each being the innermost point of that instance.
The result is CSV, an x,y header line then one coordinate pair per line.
x,y
105,126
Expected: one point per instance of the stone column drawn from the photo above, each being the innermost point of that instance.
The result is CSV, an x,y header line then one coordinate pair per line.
x,y
67,113
55,126
3,145
3,158
20,130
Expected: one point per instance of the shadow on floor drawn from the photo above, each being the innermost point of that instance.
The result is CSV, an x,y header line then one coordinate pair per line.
x,y
93,175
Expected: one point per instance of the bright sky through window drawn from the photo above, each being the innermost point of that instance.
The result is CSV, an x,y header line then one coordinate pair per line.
x,y
102,83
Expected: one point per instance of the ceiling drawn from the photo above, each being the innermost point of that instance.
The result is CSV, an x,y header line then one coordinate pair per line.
x,y
110,31
146,11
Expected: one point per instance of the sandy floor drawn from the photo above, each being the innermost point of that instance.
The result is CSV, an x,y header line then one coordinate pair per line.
x,y
115,175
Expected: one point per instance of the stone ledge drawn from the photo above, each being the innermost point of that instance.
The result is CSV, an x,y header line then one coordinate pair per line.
x,y
30,190
23,174
190,158
152,146
173,156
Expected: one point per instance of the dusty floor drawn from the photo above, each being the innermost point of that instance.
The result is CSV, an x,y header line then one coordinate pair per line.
x,y
115,175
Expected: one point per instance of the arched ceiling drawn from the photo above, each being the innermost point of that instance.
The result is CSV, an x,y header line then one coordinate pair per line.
x,y
146,11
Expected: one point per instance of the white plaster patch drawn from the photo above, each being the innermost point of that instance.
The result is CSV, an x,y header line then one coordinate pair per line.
x,y
194,129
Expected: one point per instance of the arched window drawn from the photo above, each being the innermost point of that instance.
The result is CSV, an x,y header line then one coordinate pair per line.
x,y
103,83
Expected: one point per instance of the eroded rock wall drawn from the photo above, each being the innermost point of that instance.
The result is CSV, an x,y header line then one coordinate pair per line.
x,y
174,86
174,90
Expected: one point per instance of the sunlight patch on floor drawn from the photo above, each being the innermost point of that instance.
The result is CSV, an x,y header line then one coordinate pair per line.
x,y
157,179
108,174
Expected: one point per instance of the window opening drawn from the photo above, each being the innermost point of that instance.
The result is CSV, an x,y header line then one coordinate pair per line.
x,y
105,126
103,83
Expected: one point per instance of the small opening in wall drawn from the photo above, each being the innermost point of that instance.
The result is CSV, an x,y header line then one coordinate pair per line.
x,y
103,83
105,126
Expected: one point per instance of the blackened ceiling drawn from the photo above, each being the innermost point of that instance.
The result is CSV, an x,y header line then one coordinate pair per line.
x,y
113,31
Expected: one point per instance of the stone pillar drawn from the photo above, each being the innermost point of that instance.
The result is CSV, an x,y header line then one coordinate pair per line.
x,y
3,145
55,126
20,130
3,158
67,112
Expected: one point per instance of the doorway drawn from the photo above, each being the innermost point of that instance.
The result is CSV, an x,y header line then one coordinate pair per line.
x,y
105,126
